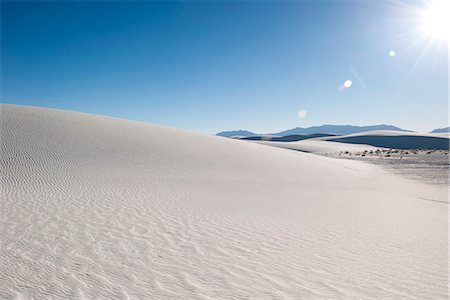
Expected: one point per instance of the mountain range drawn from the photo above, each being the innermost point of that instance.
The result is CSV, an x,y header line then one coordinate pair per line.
x,y
326,129
441,130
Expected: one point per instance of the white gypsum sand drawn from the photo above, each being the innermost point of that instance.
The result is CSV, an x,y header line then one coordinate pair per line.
x,y
318,146
99,208
369,140
394,139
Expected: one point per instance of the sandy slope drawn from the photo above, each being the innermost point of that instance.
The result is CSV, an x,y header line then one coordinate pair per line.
x,y
370,140
94,207
318,146
387,133
395,139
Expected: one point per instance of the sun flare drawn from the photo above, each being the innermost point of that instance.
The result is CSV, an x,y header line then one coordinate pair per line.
x,y
436,20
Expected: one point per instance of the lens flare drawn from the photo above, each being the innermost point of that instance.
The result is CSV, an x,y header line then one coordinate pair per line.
x,y
348,83
302,113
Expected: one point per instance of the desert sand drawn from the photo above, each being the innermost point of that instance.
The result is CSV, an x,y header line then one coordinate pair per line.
x,y
319,146
395,139
94,207
369,140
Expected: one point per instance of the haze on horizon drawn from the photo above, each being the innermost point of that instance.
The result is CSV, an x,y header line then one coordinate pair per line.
x,y
213,66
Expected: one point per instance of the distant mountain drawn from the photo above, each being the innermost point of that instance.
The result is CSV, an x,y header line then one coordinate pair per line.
x,y
236,133
337,129
287,138
326,129
441,130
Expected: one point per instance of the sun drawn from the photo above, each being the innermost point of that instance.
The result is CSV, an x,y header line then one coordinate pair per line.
x,y
435,20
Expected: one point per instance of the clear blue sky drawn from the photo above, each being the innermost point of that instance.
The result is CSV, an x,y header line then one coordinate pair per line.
x,y
212,66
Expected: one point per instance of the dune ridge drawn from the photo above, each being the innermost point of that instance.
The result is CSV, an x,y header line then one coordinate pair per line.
x,y
395,139
97,207
370,140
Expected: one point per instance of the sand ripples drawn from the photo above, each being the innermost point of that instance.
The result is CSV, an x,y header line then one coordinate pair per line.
x,y
97,208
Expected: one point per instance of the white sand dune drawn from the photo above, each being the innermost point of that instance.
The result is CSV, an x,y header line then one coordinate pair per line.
x,y
394,139
318,146
387,133
99,208
370,140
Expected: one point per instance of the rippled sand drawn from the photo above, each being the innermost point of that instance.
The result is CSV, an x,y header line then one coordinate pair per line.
x,y
99,208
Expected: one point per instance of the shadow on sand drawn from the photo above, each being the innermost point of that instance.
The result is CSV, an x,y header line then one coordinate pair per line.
x,y
398,142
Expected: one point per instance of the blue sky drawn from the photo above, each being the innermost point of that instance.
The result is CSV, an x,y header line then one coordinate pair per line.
x,y
213,66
